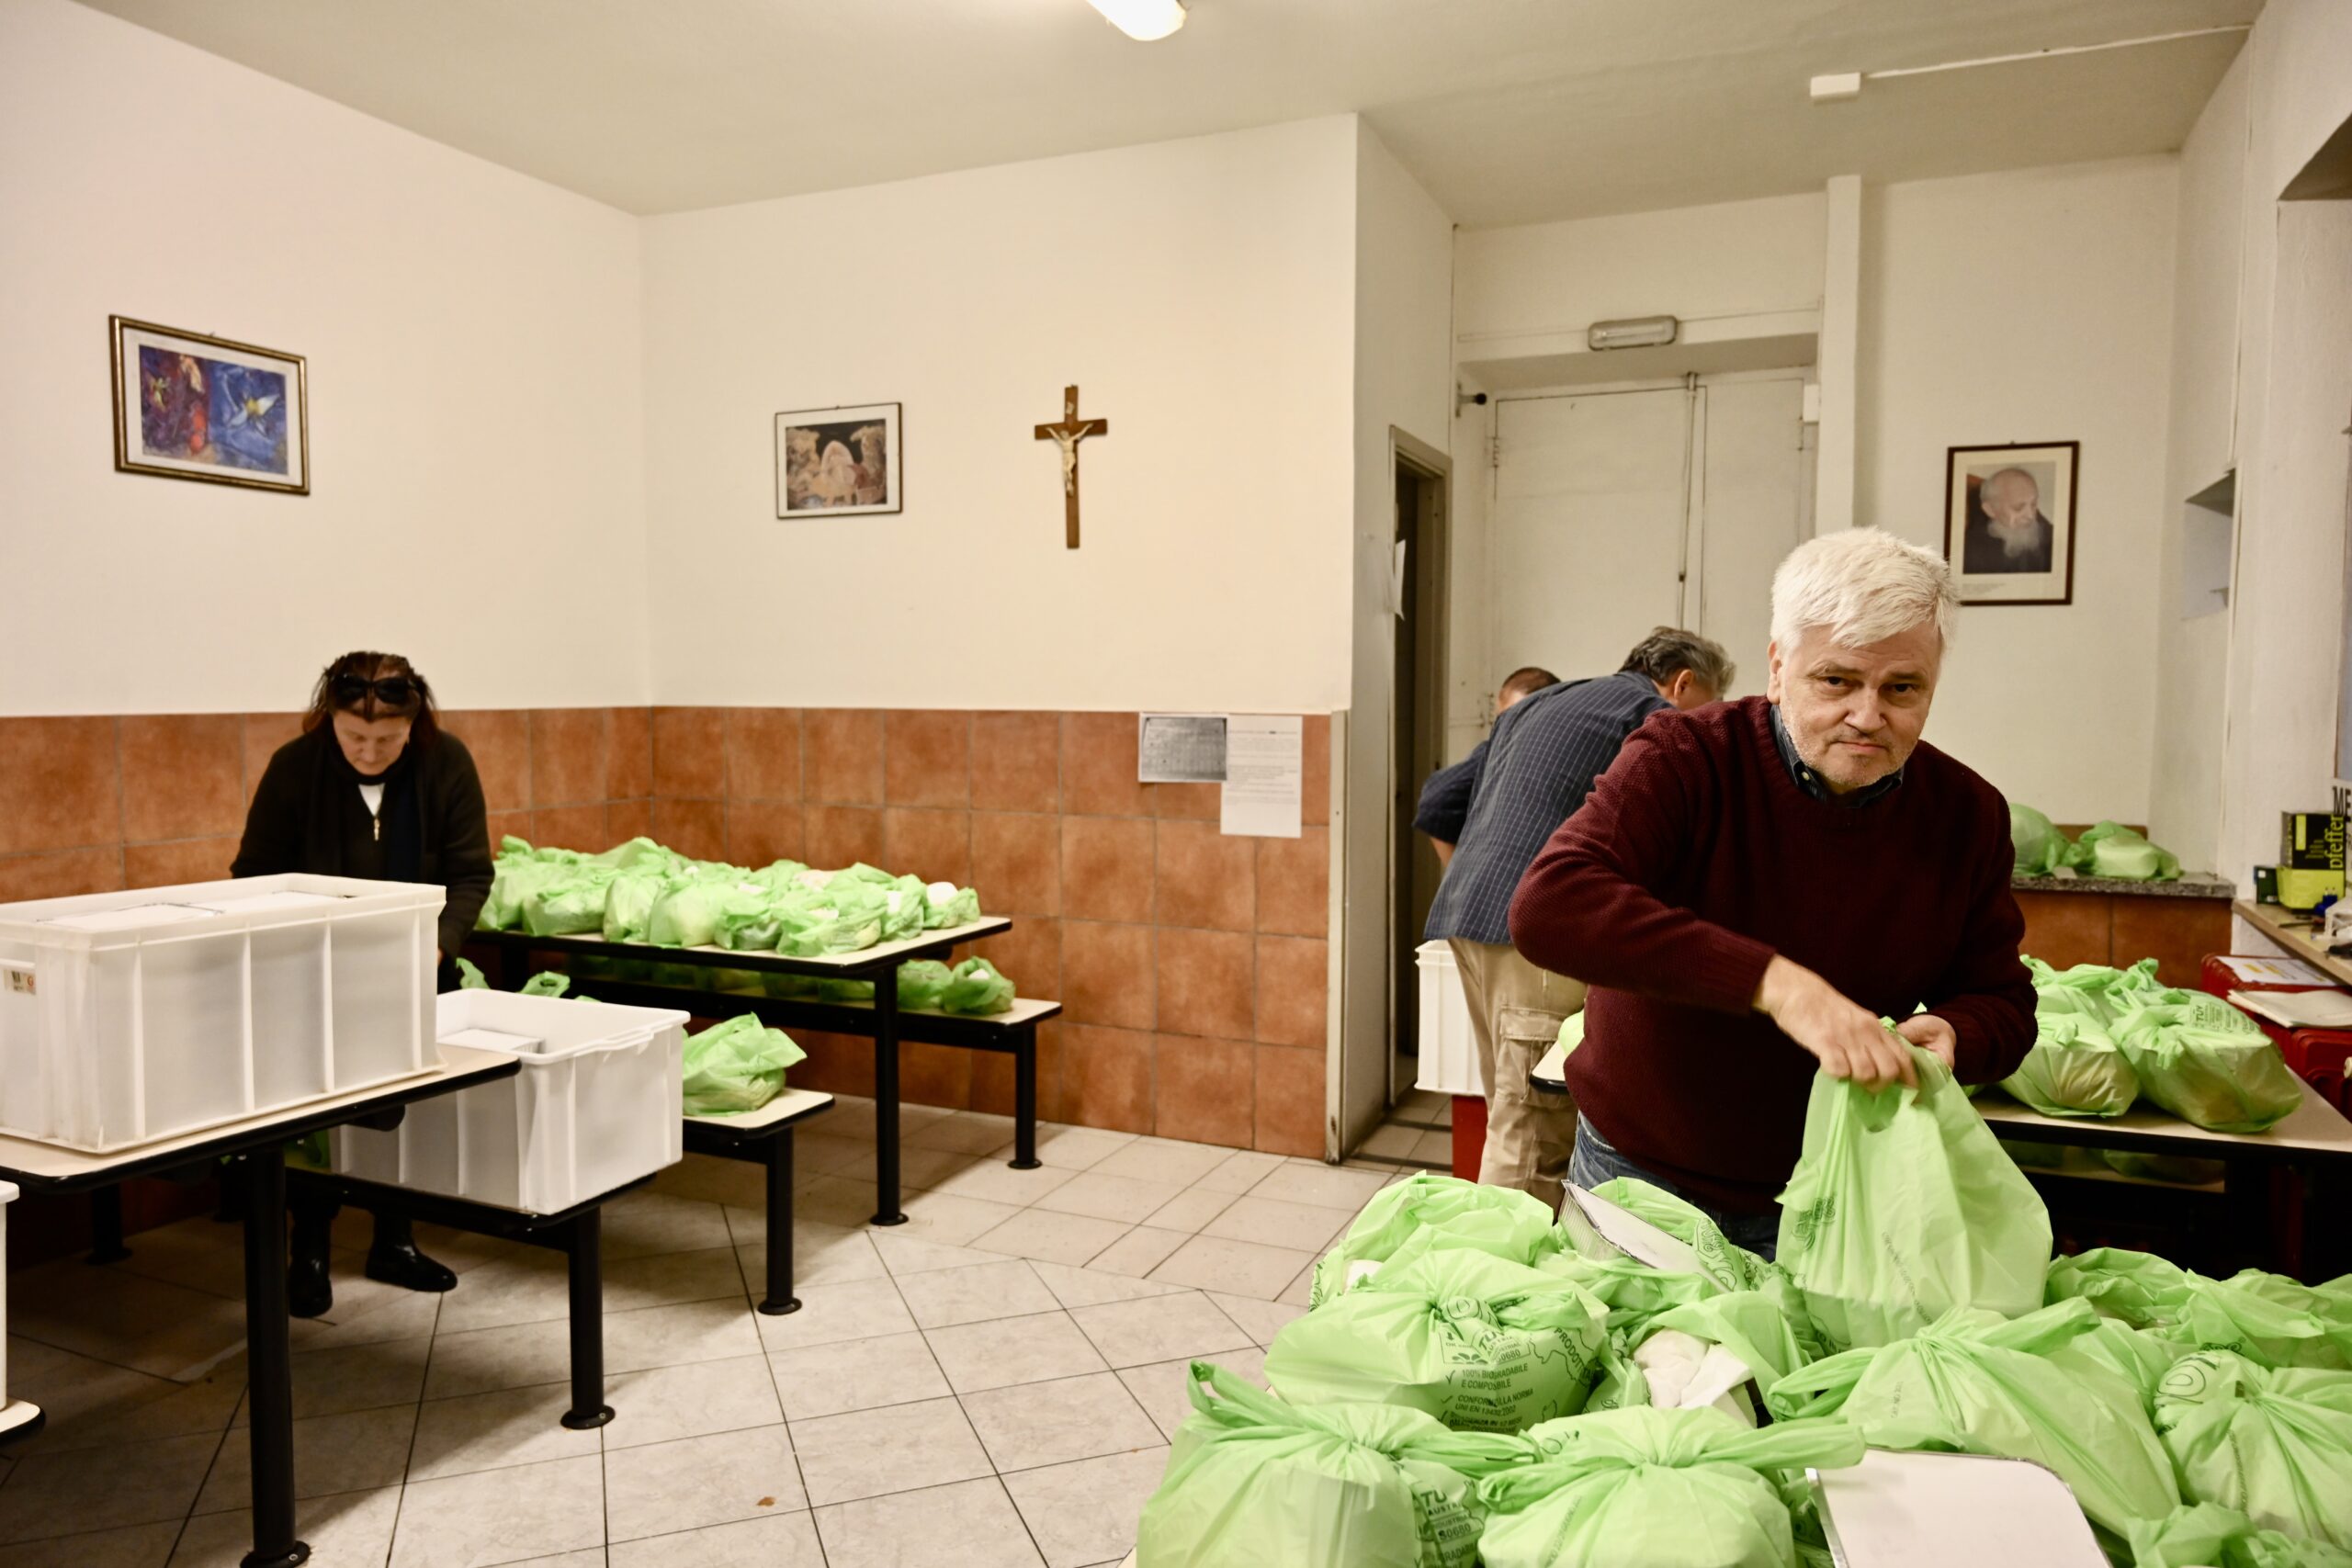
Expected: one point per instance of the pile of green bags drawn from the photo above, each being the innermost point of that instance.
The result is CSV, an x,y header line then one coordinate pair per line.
x,y
2275,1445
737,1066
1424,1212
2074,1069
2205,1535
2267,1318
2109,849
1903,1207
641,892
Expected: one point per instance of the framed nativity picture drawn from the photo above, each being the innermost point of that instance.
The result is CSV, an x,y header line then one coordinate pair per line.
x,y
2009,522
837,462
192,407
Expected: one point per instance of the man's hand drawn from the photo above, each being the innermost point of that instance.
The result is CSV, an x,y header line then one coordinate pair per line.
x,y
1849,1041
1927,1031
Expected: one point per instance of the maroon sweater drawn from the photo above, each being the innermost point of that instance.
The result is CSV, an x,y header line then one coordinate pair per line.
x,y
1697,858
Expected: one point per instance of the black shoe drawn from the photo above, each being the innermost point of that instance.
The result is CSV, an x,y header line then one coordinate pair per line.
x,y
308,1292
400,1263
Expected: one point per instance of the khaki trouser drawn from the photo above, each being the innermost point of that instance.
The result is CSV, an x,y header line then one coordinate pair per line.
x,y
1516,1011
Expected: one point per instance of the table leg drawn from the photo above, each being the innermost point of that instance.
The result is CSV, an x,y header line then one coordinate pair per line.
x,y
1024,1101
2327,1246
885,1100
780,1299
269,1364
105,1226
584,1264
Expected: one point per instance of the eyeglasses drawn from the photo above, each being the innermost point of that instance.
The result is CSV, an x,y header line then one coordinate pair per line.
x,y
393,690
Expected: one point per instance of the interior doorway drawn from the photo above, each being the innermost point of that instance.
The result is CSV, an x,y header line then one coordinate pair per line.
x,y
1416,731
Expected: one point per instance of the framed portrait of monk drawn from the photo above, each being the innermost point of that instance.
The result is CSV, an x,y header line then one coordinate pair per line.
x,y
2009,522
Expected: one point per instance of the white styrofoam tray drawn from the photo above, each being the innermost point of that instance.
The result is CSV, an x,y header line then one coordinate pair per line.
x,y
597,1104
133,1016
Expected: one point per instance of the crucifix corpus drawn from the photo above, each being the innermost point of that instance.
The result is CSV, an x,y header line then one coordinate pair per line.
x,y
1067,435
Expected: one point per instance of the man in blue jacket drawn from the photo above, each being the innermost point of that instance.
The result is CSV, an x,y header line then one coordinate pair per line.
x,y
1497,808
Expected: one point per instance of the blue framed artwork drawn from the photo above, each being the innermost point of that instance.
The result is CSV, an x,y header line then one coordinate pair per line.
x,y
191,407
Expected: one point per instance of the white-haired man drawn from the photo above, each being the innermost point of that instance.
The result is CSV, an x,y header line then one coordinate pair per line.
x,y
1753,886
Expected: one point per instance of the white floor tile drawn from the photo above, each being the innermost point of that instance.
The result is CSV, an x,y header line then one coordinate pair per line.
x,y
1162,1389
1035,1424
1085,1512
501,1515
359,1377
132,1546
821,1254
919,1168
1300,1291
345,1530
490,1431
971,1525
90,1403
1271,1222
902,1254
1106,1197
1163,1159
1191,1209
1263,1320
1138,1252
363,1451
526,1353
1235,1268
944,1297
788,1541
1391,1141
994,1183
856,1374
1092,1286
646,1222
1161,1329
663,1404
896,1449
708,1274
1055,1238
1433,1149
162,1329
1076,1148
1014,1351
951,1219
61,1493
696,1481
963,1132
1241,1170
1310,1181
854,1309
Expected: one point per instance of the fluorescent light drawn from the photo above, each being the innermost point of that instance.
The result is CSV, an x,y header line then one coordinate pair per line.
x,y
1645,332
1143,20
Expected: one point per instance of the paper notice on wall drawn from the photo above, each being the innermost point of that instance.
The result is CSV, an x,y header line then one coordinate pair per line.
x,y
1265,774
1181,748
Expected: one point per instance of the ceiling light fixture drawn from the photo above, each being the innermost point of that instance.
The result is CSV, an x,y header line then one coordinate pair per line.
x,y
1143,20
1642,332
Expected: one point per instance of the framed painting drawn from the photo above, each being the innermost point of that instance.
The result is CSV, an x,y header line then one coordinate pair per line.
x,y
2009,522
837,462
192,407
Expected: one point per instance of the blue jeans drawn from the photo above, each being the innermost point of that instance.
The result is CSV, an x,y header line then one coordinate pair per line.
x,y
1596,1160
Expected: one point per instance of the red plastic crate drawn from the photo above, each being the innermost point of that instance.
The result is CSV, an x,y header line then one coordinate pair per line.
x,y
2216,976
2323,1058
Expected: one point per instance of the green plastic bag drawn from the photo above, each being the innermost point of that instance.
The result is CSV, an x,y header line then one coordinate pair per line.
x,y
2164,1167
787,985
2267,1318
568,905
737,1066
1481,1343
2041,846
2205,1535
629,902
1427,1211
976,987
2275,1445
1975,1382
904,903
469,977
1253,1482
922,982
1659,1488
2074,1069
2111,850
2140,1359
547,983
849,920
749,920
2094,991
516,872
831,990
1730,1267
1902,1206
946,905
2220,1079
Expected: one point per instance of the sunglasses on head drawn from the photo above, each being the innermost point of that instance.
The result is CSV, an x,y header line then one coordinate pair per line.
x,y
393,690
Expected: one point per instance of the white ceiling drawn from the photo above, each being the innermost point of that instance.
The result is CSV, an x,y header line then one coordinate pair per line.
x,y
1510,111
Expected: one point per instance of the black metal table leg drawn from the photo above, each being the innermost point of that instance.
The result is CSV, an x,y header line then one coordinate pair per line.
x,y
585,1264
780,1299
269,1365
1024,1101
105,1226
885,1100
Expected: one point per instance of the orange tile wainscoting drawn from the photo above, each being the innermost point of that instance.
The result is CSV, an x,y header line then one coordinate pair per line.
x,y
1192,967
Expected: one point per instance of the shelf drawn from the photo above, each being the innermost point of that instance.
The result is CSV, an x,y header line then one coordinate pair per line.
x,y
2272,920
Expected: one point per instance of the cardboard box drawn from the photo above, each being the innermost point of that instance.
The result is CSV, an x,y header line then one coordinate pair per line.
x,y
2311,840
2300,890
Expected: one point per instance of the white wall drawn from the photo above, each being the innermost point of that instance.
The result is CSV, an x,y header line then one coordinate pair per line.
x,y
1403,266
1195,291
472,338
2033,305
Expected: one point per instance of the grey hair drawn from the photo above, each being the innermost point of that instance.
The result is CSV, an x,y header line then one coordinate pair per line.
x,y
1864,585
1670,648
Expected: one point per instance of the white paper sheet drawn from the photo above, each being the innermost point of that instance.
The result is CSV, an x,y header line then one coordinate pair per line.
x,y
1265,775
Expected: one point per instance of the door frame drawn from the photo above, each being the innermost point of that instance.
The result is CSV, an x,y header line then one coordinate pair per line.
x,y
1432,598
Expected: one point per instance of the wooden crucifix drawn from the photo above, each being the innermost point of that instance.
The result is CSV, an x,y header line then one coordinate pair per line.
x,y
1067,435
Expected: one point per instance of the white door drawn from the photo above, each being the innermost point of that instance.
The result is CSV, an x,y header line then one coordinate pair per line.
x,y
1605,502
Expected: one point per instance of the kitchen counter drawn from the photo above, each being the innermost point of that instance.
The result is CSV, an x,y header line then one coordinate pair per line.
x,y
2179,887
2097,920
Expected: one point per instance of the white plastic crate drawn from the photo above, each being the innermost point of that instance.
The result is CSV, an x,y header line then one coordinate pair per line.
x,y
8,1196
128,1017
1449,1061
597,1104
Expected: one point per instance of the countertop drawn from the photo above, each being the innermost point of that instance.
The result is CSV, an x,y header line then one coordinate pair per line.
x,y
2185,886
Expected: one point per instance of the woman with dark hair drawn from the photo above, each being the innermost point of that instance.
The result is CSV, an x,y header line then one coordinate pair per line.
x,y
372,788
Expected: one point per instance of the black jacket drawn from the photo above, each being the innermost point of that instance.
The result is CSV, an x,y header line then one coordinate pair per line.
x,y
307,816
